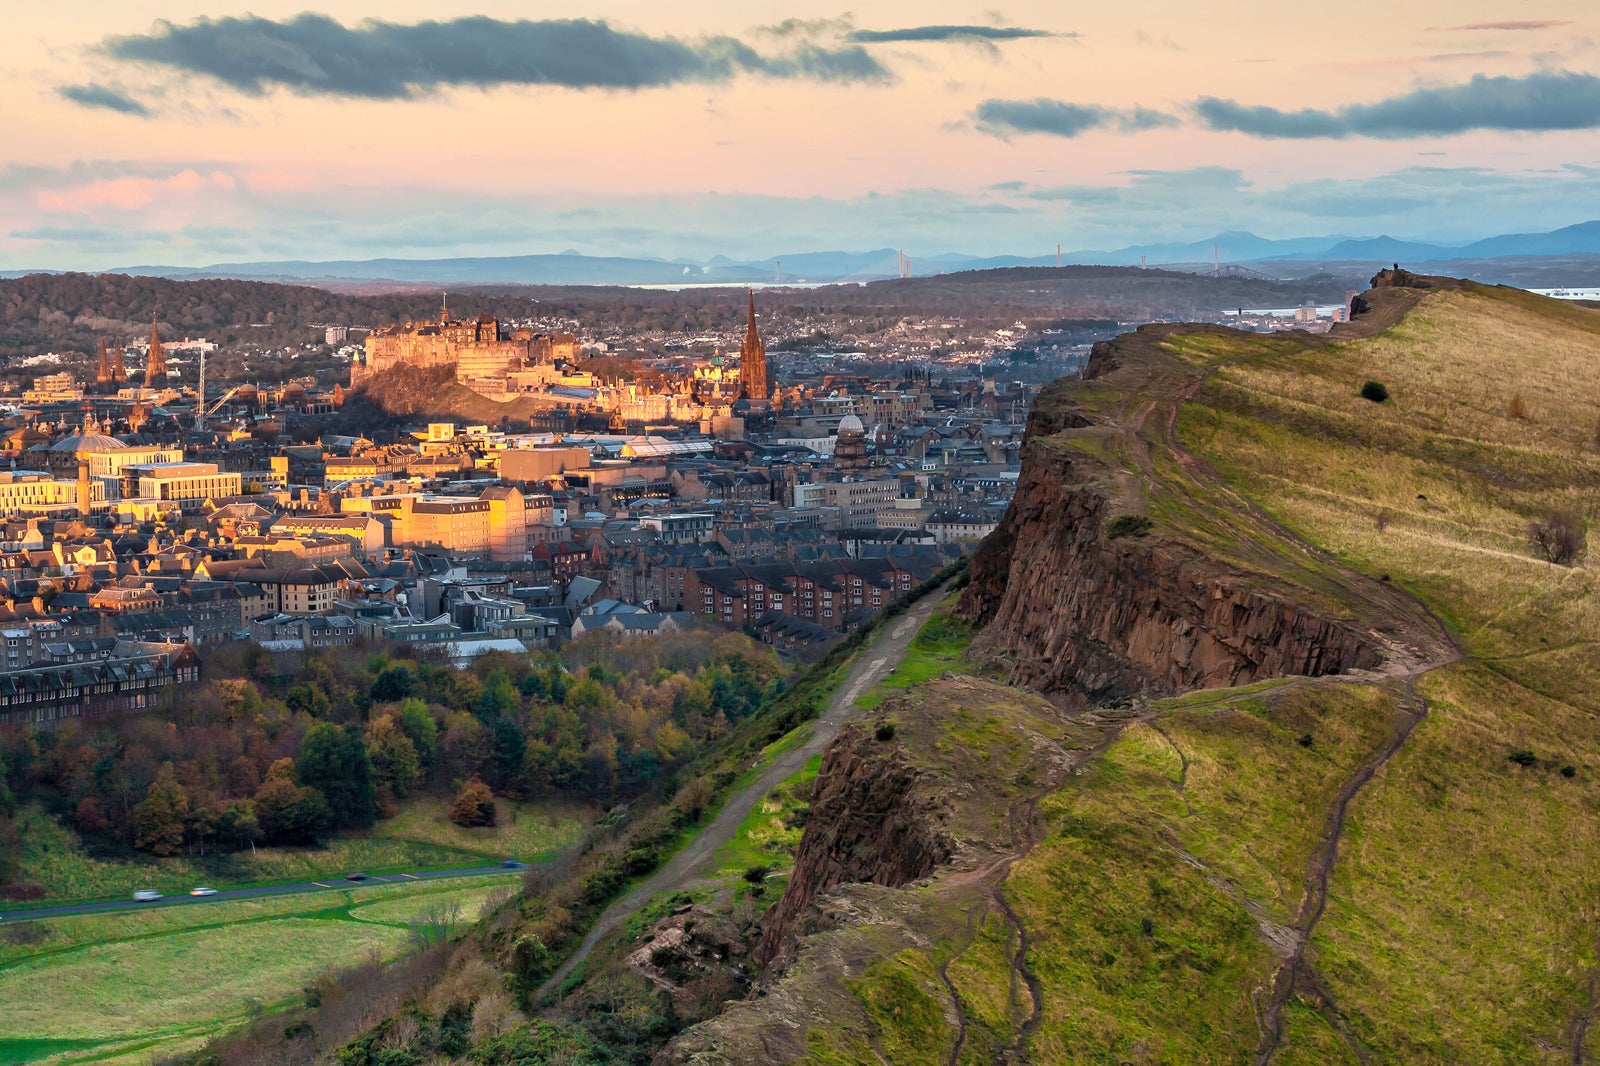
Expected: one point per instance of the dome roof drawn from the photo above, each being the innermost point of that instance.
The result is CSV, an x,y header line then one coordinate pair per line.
x,y
851,424
87,442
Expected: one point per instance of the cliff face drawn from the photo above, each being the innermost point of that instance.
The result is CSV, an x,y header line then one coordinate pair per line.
x,y
1077,611
867,824
895,895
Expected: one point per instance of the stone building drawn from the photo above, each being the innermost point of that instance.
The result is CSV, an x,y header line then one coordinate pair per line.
x,y
478,347
753,361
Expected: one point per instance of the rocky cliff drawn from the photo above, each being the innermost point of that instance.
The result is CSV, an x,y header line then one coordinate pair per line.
x,y
868,823
1084,596
895,897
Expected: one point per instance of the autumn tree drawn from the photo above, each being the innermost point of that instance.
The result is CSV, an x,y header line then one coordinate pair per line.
x,y
474,805
393,756
288,812
158,820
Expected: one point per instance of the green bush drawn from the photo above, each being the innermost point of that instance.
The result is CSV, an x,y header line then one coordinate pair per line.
x,y
1523,757
1374,391
1128,525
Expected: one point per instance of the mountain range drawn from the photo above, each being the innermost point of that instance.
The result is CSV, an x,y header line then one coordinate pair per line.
x,y
1297,254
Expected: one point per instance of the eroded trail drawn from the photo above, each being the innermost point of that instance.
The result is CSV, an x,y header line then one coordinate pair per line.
x,y
1412,712
870,667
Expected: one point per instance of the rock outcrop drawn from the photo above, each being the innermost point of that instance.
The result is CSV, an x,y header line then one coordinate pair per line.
x,y
1085,603
868,823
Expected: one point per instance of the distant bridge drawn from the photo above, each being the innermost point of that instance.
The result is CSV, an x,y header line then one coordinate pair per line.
x,y
1233,270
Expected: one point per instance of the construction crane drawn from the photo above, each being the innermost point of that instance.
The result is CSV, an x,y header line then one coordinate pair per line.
x,y
201,413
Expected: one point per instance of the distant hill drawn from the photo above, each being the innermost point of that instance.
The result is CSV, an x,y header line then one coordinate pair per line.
x,y
824,267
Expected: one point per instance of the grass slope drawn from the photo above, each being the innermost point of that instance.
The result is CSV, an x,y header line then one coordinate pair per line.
x,y
1461,923
102,987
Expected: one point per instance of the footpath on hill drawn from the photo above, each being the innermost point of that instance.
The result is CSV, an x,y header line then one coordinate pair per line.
x,y
870,667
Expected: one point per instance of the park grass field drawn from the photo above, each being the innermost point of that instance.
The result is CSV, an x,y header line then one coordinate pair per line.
x,y
420,836
127,986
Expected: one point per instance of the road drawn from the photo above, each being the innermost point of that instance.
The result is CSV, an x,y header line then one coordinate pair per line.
x,y
871,666
327,884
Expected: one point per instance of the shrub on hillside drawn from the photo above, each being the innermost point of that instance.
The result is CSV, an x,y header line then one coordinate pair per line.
x,y
1374,391
1559,536
1127,525
473,806
1517,407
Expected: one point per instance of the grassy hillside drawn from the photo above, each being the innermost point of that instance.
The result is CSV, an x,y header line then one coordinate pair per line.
x,y
1461,919
1397,867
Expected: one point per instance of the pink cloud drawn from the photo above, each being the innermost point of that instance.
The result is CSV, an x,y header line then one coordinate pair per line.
x,y
133,193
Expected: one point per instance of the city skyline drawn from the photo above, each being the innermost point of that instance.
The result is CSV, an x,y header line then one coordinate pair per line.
x,y
155,135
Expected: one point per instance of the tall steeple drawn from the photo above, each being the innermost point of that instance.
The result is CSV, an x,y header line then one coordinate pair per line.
x,y
102,374
753,360
119,369
155,371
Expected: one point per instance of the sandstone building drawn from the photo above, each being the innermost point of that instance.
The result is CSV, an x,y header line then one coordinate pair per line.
x,y
753,361
478,347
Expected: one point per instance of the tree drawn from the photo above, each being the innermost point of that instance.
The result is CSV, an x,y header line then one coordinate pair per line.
x,y
1559,536
463,749
307,699
421,728
288,812
497,698
395,764
394,684
334,761
507,748
158,820
474,805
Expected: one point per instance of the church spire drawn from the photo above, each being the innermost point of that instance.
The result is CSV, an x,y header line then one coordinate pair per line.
x,y
102,375
753,360
155,366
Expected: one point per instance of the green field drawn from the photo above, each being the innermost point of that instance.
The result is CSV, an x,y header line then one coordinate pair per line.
x,y
128,986
421,836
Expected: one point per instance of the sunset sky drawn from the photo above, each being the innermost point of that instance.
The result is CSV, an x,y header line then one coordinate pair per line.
x,y
173,132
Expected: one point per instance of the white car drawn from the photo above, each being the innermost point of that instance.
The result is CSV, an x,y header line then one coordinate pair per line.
x,y
202,891
146,895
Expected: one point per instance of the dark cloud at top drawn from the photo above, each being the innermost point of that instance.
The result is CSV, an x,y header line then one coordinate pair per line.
x,y
1509,24
314,54
1557,100
1058,118
95,95
949,33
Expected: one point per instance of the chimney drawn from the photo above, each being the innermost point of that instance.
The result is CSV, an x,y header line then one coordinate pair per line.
x,y
85,499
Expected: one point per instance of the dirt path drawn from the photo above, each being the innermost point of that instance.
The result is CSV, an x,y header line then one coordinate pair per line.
x,y
1415,640
1284,981
871,666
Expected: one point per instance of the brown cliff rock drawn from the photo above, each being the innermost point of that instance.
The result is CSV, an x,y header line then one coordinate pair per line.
x,y
1084,598
868,823
1075,612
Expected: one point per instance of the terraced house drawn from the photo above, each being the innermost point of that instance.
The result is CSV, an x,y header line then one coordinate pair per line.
x,y
127,682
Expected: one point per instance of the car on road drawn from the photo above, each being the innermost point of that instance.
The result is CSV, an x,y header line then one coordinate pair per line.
x,y
510,864
202,891
355,877
146,895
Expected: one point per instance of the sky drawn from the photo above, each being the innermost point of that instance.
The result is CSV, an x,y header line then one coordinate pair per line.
x,y
179,133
